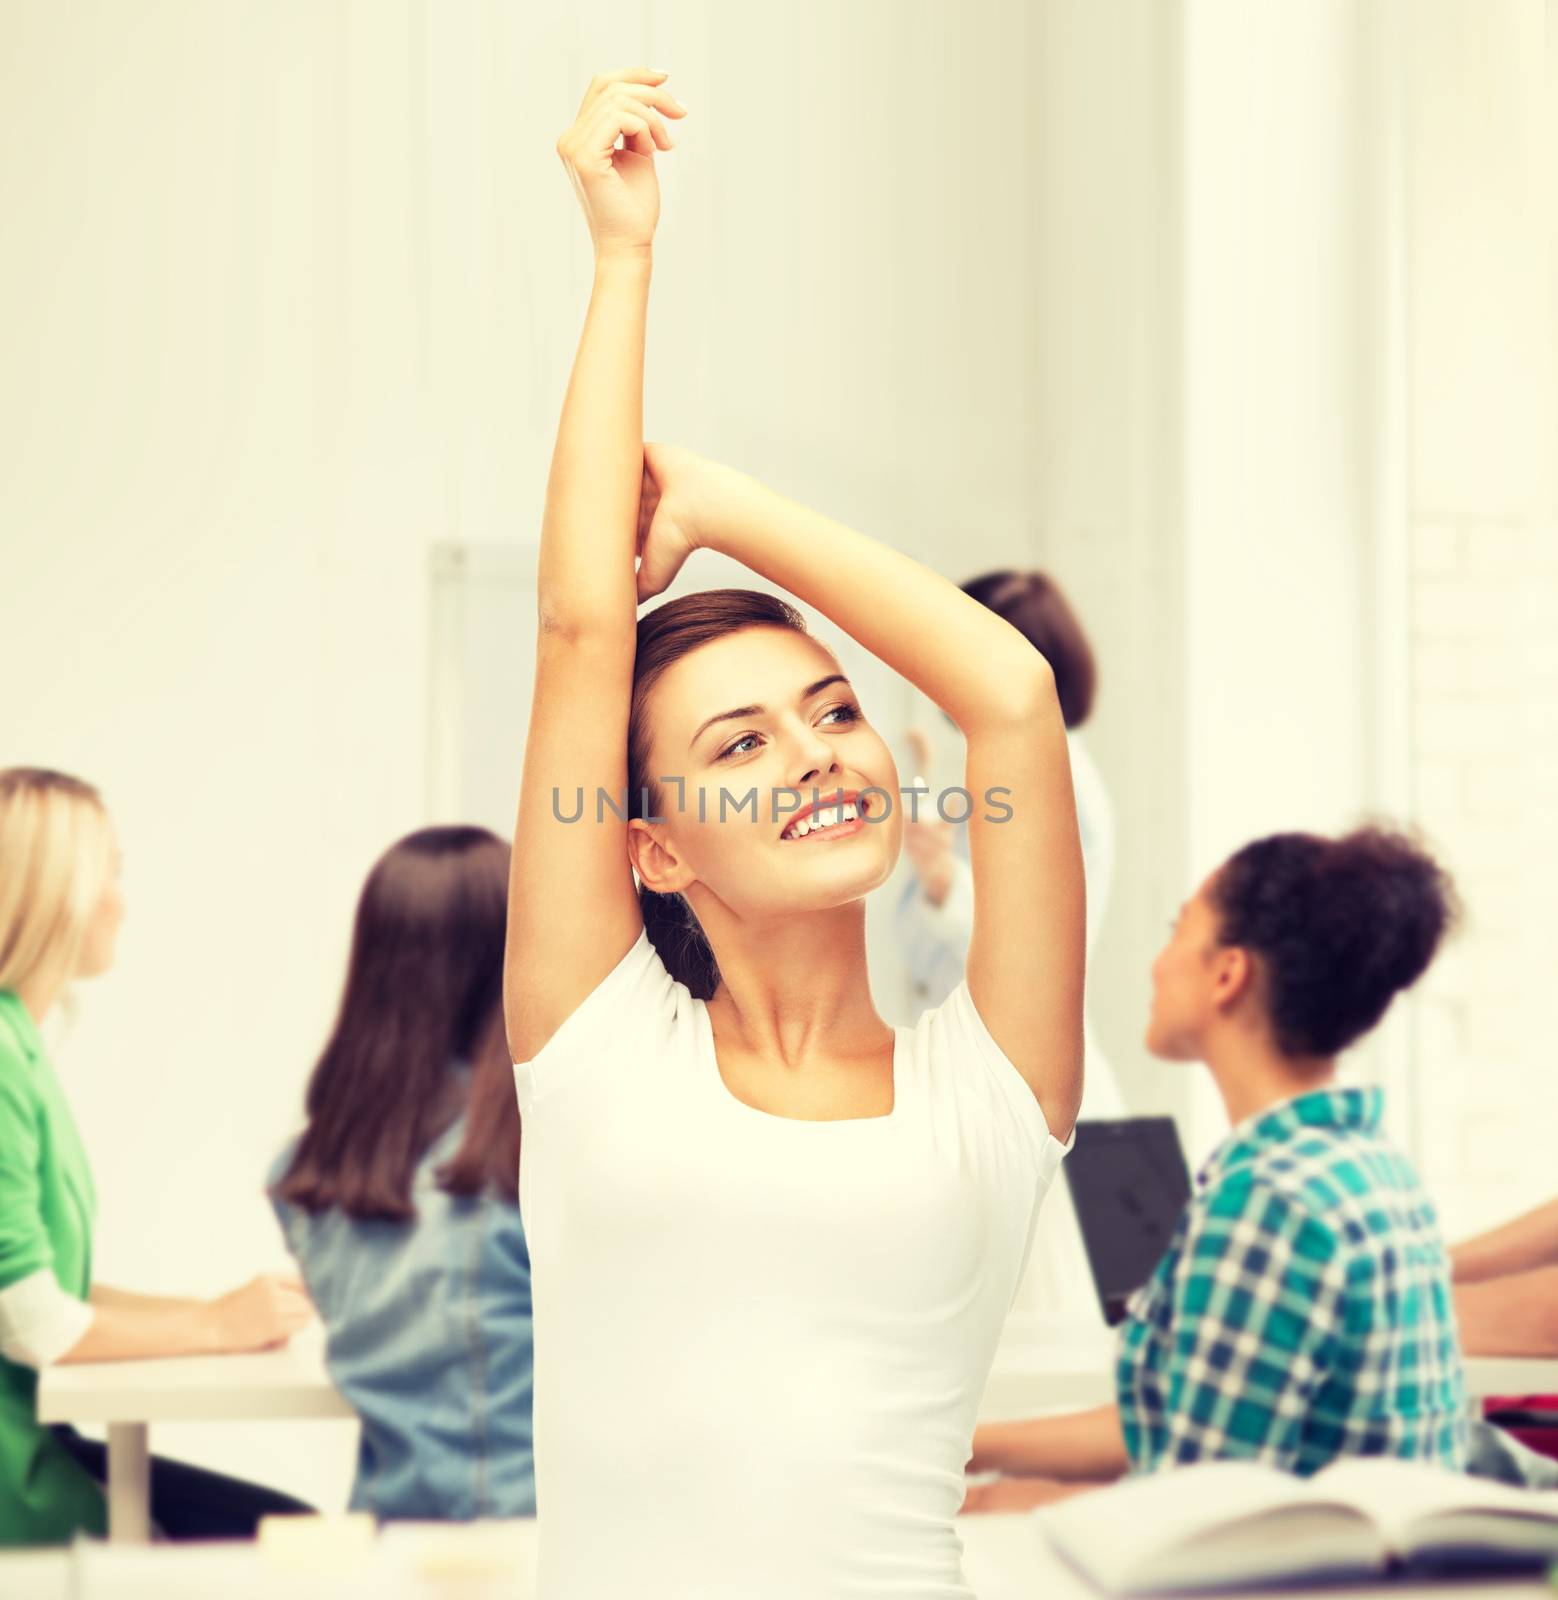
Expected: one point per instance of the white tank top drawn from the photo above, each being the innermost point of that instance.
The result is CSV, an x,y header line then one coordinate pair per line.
x,y
761,1343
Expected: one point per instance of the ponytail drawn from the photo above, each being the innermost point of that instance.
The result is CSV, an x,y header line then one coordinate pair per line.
x,y
679,942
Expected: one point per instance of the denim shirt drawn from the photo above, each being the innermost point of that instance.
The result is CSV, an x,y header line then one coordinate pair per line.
x,y
428,1336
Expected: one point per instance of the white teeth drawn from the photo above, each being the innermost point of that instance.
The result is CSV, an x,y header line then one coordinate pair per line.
x,y
827,817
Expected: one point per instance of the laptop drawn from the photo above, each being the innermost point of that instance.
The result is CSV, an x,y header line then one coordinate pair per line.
x,y
1128,1183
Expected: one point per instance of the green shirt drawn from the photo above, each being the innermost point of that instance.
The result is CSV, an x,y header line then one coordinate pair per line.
x,y
47,1206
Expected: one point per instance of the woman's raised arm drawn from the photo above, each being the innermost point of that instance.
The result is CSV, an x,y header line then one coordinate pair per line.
x,y
573,912
1025,958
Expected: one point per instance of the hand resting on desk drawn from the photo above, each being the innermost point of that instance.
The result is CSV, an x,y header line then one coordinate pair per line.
x,y
261,1315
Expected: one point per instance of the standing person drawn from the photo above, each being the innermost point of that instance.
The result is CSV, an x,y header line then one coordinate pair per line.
x,y
936,909
400,1197
1302,1311
935,916
773,1237
60,910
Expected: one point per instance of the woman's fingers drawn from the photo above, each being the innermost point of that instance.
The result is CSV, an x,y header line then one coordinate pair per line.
x,y
648,499
630,104
622,112
589,146
602,81
637,137
660,99
642,88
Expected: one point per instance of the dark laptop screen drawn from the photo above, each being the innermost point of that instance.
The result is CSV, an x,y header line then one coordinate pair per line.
x,y
1128,1184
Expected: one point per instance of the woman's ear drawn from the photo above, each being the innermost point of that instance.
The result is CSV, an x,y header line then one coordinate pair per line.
x,y
1233,975
654,860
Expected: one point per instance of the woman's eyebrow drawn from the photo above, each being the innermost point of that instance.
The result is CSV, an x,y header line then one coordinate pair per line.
x,y
758,711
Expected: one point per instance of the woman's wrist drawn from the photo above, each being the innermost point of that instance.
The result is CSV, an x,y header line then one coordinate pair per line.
x,y
207,1333
611,259
730,516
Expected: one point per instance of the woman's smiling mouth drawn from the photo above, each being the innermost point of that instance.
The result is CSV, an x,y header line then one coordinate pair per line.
x,y
836,820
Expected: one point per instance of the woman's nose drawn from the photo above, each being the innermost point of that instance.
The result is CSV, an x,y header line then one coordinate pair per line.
x,y
813,759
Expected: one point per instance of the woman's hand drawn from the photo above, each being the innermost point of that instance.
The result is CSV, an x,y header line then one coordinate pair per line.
x,y
264,1313
617,188
684,502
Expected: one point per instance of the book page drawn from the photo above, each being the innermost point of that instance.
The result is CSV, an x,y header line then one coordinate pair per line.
x,y
1211,1522
1403,1497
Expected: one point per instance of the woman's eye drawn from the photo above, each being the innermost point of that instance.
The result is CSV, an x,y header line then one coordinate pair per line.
x,y
845,714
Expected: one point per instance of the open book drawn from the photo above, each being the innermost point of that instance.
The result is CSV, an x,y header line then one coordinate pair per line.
x,y
1231,1523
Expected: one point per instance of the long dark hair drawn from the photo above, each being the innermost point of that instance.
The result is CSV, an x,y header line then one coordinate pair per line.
x,y
1340,927
1037,608
423,990
665,635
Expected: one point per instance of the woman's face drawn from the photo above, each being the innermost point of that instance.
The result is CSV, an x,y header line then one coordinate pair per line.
x,y
97,949
743,721
1186,983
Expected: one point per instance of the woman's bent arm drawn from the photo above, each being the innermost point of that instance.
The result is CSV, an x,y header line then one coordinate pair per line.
x,y
1025,960
265,1312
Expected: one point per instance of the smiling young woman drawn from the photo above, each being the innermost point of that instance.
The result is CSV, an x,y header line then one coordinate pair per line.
x,y
773,1239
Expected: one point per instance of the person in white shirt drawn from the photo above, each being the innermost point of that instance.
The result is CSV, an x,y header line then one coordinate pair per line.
x,y
772,1238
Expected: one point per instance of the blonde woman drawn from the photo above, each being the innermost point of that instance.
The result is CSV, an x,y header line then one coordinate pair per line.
x,y
60,910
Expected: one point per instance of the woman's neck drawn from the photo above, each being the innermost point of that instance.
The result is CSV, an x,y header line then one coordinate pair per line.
x,y
38,992
797,989
1253,1076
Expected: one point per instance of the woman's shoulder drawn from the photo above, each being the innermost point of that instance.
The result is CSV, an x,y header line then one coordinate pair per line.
x,y
18,1083
637,1010
959,1063
19,1041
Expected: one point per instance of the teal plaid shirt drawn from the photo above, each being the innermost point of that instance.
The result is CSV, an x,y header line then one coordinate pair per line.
x,y
1302,1311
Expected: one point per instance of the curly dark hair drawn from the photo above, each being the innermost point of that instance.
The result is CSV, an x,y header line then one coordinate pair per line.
x,y
1339,927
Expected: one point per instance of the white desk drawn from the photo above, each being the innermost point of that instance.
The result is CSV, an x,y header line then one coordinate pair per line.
x,y
291,1383
1005,1558
130,1395
1076,1373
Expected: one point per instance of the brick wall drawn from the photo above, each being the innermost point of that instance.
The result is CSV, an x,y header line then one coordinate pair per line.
x,y
1481,271
1485,788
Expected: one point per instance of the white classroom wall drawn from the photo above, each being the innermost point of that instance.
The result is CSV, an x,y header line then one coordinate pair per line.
x,y
288,296
1483,512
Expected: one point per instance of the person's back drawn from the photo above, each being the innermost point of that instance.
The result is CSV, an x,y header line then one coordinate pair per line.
x,y
400,1198
428,1330
1359,1327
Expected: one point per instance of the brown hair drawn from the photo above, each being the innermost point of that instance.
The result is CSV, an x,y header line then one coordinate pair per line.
x,y
665,635
1035,606
423,990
